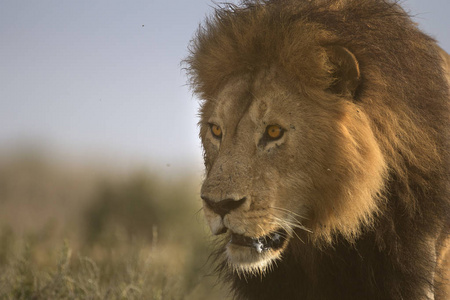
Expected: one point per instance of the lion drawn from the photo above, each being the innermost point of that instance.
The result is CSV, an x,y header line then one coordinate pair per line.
x,y
324,125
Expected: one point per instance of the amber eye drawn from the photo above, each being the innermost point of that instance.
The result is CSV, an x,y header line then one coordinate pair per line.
x,y
216,131
274,132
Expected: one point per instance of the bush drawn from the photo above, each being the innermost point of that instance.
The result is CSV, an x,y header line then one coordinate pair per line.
x,y
139,237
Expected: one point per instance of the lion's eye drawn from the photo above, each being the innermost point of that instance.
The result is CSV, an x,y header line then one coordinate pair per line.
x,y
274,132
216,131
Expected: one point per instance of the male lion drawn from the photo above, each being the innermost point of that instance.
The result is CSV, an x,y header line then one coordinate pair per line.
x,y
326,144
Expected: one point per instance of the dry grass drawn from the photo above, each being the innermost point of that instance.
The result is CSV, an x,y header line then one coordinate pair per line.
x,y
79,233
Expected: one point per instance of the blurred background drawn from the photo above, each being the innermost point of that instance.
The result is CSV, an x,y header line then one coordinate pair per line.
x,y
100,162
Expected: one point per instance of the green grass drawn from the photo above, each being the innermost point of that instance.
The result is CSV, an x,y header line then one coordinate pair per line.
x,y
90,234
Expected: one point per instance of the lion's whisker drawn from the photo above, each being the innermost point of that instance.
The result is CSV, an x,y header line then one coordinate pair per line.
x,y
290,212
290,226
296,224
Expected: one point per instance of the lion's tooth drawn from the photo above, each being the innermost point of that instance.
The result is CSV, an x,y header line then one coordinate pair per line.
x,y
258,246
276,237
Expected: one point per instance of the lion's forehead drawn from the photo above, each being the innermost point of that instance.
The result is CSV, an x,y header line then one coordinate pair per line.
x,y
231,103
259,101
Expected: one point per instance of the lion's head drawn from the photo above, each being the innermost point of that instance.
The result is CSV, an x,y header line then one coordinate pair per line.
x,y
279,159
284,155
299,124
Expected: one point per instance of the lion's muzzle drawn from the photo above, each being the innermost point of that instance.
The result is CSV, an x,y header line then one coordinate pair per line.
x,y
224,206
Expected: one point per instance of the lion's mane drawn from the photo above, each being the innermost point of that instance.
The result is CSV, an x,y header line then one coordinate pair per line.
x,y
404,92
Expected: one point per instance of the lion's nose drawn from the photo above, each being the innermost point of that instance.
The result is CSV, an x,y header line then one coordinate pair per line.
x,y
224,206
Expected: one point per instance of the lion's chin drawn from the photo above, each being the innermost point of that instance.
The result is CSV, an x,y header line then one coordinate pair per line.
x,y
248,255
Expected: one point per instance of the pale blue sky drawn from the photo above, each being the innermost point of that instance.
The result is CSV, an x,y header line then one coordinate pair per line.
x,y
103,77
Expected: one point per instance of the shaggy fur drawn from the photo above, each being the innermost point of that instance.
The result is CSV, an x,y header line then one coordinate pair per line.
x,y
380,225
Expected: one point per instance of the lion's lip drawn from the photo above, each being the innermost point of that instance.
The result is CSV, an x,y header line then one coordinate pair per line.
x,y
274,240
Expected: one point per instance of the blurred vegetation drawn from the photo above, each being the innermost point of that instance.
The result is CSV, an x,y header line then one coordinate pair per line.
x,y
71,232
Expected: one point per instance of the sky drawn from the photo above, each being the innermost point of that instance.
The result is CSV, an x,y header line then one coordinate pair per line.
x,y
102,78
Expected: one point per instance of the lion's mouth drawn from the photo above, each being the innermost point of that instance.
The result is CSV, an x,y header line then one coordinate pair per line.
x,y
274,241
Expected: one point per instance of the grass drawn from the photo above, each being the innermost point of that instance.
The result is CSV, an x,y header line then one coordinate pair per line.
x,y
133,273
90,234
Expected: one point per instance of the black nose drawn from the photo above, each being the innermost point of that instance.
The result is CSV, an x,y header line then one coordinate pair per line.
x,y
223,207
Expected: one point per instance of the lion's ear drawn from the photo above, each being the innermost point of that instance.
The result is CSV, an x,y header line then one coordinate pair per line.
x,y
345,70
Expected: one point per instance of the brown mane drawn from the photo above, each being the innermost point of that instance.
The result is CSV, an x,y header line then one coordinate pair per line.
x,y
405,93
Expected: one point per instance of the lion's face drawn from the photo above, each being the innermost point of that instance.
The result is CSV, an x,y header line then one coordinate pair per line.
x,y
280,162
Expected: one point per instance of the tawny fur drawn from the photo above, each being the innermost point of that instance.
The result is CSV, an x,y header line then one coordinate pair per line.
x,y
364,162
